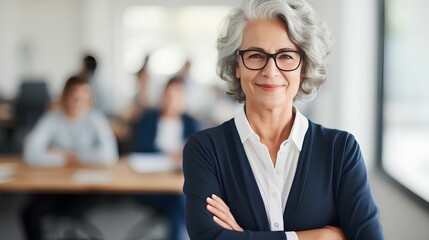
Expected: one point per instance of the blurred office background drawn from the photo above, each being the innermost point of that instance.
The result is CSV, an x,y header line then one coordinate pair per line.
x,y
44,41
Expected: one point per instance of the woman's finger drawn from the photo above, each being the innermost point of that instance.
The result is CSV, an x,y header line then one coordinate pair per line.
x,y
217,204
219,217
220,201
222,223
216,212
222,212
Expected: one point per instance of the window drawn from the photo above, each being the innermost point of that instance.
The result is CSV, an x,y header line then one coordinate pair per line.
x,y
405,115
171,36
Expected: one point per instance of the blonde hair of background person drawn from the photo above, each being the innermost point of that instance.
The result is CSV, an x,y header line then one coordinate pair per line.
x,y
74,133
270,173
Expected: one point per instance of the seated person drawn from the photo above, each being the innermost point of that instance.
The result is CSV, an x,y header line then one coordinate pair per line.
x,y
124,122
73,134
165,131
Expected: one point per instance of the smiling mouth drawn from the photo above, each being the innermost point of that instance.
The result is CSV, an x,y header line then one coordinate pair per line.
x,y
270,87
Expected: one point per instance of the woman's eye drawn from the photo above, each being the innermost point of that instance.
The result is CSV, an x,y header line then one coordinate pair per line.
x,y
284,56
256,55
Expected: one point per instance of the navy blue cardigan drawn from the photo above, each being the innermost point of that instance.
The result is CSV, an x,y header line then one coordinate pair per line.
x,y
330,186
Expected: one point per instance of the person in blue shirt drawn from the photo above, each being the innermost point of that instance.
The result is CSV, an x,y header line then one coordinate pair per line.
x,y
165,130
270,173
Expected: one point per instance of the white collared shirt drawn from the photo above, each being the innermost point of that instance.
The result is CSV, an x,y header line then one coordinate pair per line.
x,y
169,138
274,182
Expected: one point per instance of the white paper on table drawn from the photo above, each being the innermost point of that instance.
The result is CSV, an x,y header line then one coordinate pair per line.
x,y
7,172
86,176
151,162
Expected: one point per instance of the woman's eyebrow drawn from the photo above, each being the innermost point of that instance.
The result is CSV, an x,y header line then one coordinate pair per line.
x,y
287,49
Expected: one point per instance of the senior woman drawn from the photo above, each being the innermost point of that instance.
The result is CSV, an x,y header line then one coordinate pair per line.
x,y
270,173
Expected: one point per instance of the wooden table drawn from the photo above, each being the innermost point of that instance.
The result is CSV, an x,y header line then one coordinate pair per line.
x,y
116,179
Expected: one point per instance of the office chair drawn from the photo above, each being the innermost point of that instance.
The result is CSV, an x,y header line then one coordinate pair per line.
x,y
30,104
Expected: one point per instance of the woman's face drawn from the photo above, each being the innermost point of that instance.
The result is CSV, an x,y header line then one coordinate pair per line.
x,y
78,100
142,80
269,87
174,99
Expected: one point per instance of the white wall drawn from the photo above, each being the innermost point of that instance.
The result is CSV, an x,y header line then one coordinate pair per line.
x,y
358,73
8,56
38,38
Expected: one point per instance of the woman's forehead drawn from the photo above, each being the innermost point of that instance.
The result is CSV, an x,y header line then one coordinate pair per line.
x,y
78,88
268,35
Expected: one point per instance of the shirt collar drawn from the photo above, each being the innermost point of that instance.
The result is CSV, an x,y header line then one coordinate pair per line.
x,y
297,133
299,129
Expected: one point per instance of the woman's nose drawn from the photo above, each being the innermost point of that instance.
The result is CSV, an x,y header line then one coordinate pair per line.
x,y
270,70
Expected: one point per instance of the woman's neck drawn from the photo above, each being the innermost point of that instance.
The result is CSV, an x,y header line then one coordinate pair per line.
x,y
71,116
271,123
171,114
273,126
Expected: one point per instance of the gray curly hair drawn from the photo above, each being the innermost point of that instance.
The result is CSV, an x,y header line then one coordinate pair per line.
x,y
306,30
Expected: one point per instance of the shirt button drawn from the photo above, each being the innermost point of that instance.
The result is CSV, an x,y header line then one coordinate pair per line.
x,y
274,194
278,172
276,225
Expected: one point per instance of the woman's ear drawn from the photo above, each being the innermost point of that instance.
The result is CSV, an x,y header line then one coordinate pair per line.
x,y
302,77
237,71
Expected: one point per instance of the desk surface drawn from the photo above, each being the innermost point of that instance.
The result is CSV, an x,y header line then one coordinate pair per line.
x,y
118,178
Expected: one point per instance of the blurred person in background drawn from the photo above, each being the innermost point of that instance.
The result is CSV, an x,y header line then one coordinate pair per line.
x,y
124,123
199,97
165,131
270,173
208,103
140,101
102,89
74,134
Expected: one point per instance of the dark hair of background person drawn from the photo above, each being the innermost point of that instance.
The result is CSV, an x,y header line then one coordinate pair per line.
x,y
144,66
90,63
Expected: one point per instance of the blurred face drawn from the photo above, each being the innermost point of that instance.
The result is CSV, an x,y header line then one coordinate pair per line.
x,y
142,80
174,99
78,101
269,87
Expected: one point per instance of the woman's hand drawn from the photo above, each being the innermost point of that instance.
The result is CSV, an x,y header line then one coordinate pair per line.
x,y
328,233
70,158
222,214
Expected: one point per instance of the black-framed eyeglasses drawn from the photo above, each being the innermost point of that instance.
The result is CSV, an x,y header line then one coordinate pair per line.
x,y
288,60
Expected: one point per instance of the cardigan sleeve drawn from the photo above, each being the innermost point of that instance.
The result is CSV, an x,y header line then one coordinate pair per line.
x,y
357,211
201,180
